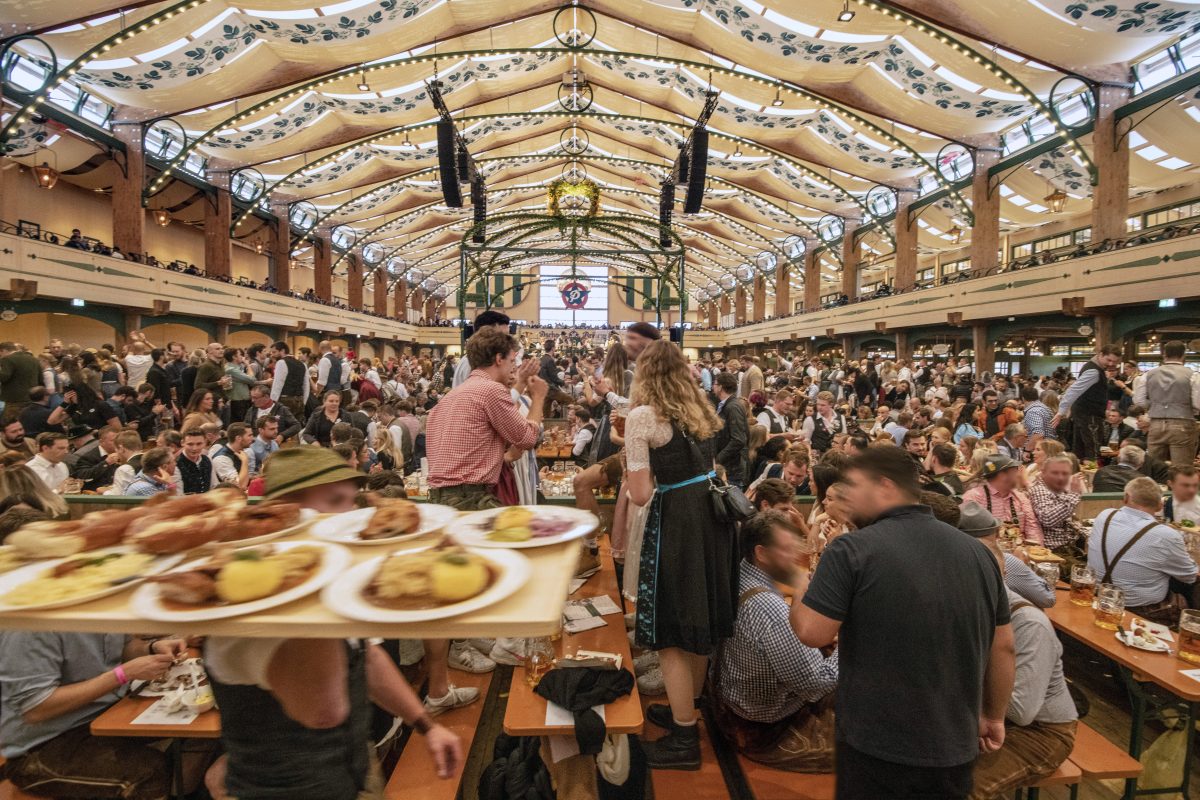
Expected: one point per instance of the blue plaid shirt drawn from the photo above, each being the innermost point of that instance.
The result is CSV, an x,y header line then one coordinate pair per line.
x,y
766,673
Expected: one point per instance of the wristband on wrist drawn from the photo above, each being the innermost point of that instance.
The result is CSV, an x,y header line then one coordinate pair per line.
x,y
422,724
119,672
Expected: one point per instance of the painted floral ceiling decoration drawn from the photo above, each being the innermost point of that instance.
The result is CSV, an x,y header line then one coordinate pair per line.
x,y
332,105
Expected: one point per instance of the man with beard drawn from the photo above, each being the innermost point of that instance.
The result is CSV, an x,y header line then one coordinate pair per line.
x,y
957,675
13,438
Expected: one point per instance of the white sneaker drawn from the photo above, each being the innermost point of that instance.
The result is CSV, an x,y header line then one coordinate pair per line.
x,y
455,698
482,645
467,659
508,651
645,662
652,683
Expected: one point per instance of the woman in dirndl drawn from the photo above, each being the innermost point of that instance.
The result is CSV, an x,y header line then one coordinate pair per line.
x,y
687,582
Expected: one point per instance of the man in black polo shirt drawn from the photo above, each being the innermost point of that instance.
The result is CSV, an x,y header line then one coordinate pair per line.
x,y
921,618
1085,402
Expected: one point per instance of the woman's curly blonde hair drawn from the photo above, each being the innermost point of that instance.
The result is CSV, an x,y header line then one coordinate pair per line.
x,y
663,381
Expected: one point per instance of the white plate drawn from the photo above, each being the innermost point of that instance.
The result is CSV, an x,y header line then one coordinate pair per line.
x,y
472,530
145,601
344,596
1128,641
306,516
12,580
346,528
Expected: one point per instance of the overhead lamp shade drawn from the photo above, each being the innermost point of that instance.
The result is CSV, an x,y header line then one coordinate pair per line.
x,y
429,284
714,289
45,175
162,217
728,281
1056,200
441,292
415,276
745,272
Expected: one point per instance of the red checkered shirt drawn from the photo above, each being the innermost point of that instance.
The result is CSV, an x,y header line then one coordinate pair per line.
x,y
469,430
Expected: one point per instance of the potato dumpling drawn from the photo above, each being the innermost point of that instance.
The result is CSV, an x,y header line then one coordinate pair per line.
x,y
458,576
243,580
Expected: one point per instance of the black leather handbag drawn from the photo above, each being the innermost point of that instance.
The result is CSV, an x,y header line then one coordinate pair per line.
x,y
730,503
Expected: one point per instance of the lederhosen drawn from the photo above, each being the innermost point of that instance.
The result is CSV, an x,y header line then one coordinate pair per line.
x,y
822,438
1165,611
800,742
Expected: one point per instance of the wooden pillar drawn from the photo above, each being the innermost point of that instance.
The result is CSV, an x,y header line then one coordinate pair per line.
x,y
222,332
848,347
812,278
906,243
985,203
760,297
279,260
783,289
401,303
129,218
725,303
1103,330
1110,151
904,346
850,251
418,301
431,304
379,296
218,217
985,351
354,281
739,305
714,314
322,265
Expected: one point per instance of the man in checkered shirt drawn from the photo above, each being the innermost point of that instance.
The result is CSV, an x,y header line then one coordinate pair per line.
x,y
769,683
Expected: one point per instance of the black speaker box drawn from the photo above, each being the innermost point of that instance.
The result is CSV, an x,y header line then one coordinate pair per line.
x,y
447,164
697,172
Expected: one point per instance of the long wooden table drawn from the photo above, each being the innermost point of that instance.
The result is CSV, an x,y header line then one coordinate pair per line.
x,y
1136,668
534,610
526,712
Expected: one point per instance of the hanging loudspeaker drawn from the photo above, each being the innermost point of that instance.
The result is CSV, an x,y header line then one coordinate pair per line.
x,y
464,165
684,159
447,166
697,172
666,205
479,207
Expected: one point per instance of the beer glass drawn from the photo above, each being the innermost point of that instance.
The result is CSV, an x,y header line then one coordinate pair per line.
x,y
1109,611
1048,571
539,659
1189,636
1083,586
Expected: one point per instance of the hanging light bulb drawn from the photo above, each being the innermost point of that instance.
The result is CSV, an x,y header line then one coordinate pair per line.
x,y
162,217
778,101
363,86
846,15
737,151
407,143
258,247
1056,200
45,175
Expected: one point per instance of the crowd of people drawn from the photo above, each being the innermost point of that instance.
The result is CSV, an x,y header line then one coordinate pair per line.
x,y
927,478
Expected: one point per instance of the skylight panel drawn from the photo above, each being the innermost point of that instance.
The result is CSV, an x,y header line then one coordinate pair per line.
x,y
114,63
1018,200
1037,208
341,8
914,51
1005,191
277,13
1174,163
954,77
1136,139
1151,153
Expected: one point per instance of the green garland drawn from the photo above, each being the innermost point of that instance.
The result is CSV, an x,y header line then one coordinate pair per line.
x,y
561,187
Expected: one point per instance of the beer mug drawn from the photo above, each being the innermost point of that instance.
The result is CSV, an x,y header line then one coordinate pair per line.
x,y
1109,609
1048,571
1189,636
1083,586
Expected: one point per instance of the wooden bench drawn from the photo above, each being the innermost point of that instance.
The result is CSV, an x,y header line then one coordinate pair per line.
x,y
1100,759
415,776
777,784
1067,774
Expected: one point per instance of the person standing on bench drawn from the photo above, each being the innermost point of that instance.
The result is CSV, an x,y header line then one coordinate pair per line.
x,y
296,713
921,618
1041,714
774,694
688,571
